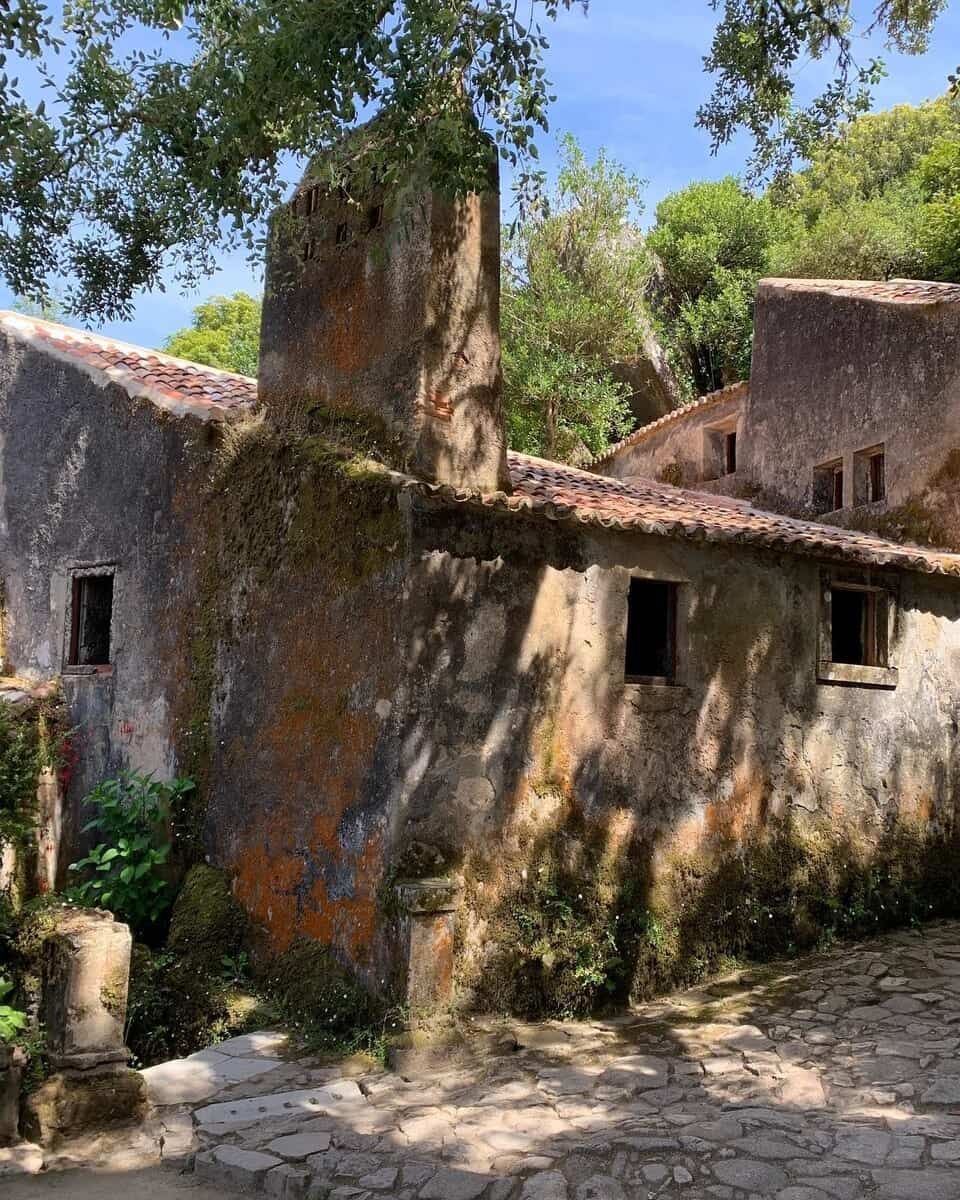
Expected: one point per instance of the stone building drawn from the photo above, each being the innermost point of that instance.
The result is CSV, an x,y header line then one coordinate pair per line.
x,y
852,412
389,650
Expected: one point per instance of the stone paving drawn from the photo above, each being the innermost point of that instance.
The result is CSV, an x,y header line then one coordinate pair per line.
x,y
837,1080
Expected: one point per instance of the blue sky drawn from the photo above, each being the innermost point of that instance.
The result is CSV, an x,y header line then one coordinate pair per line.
x,y
628,77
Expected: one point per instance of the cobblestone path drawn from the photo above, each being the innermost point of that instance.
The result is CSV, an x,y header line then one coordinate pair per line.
x,y
839,1079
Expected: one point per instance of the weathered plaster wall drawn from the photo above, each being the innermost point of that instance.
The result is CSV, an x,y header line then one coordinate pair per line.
x,y
519,712
89,476
387,307
427,706
681,451
836,374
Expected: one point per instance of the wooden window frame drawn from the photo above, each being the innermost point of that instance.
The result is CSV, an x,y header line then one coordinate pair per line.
x,y
881,612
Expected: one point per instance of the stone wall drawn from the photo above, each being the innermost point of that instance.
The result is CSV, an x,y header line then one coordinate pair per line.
x,y
425,708
687,450
385,306
93,479
836,372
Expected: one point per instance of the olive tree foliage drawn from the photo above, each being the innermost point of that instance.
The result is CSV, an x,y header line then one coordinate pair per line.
x,y
145,162
225,333
154,160
758,48
574,273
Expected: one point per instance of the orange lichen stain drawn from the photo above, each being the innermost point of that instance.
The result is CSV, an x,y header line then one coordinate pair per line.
x,y
318,750
745,813
356,335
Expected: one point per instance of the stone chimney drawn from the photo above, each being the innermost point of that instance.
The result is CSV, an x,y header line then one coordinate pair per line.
x,y
386,307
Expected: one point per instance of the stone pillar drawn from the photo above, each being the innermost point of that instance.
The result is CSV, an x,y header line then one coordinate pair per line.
x,y
83,1007
429,908
49,829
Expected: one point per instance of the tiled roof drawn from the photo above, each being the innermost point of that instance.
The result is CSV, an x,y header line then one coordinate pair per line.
x,y
180,387
730,392
890,291
552,490
563,493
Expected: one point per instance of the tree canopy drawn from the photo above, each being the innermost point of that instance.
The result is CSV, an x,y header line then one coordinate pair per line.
x,y
141,162
225,333
572,304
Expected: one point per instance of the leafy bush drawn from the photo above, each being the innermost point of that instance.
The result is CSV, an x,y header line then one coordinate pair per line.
x,y
125,872
12,1020
174,1009
23,754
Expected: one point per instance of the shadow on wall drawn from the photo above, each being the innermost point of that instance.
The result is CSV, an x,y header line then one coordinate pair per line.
x,y
763,820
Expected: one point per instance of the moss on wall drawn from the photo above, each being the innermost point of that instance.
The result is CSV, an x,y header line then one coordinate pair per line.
x,y
316,992
275,505
584,914
206,922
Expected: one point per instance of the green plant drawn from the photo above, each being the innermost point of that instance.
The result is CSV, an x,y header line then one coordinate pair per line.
x,y
125,872
12,1020
235,968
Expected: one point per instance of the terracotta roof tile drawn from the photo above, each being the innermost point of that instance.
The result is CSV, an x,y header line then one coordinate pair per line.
x,y
890,291
555,491
178,386
563,493
730,392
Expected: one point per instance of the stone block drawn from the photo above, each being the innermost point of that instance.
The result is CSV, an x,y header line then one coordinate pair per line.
x,y
429,907
23,1159
242,1170
72,1101
287,1182
452,1184
86,972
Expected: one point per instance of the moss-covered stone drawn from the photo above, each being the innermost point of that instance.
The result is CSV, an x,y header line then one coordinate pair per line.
x,y
315,991
571,927
68,1104
207,922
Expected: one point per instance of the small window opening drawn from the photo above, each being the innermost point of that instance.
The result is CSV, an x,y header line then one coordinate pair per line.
x,y
878,484
869,476
828,487
343,233
730,453
858,627
374,217
92,611
651,631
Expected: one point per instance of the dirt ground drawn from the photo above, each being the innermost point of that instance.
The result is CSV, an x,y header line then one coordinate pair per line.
x,y
152,1184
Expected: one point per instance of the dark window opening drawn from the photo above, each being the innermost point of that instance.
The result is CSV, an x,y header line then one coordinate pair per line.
x,y
869,476
374,217
92,611
730,453
858,627
343,233
878,484
651,630
828,487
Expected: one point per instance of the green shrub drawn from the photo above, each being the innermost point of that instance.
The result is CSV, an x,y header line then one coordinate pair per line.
x,y
174,1008
124,873
12,1020
207,923
574,927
